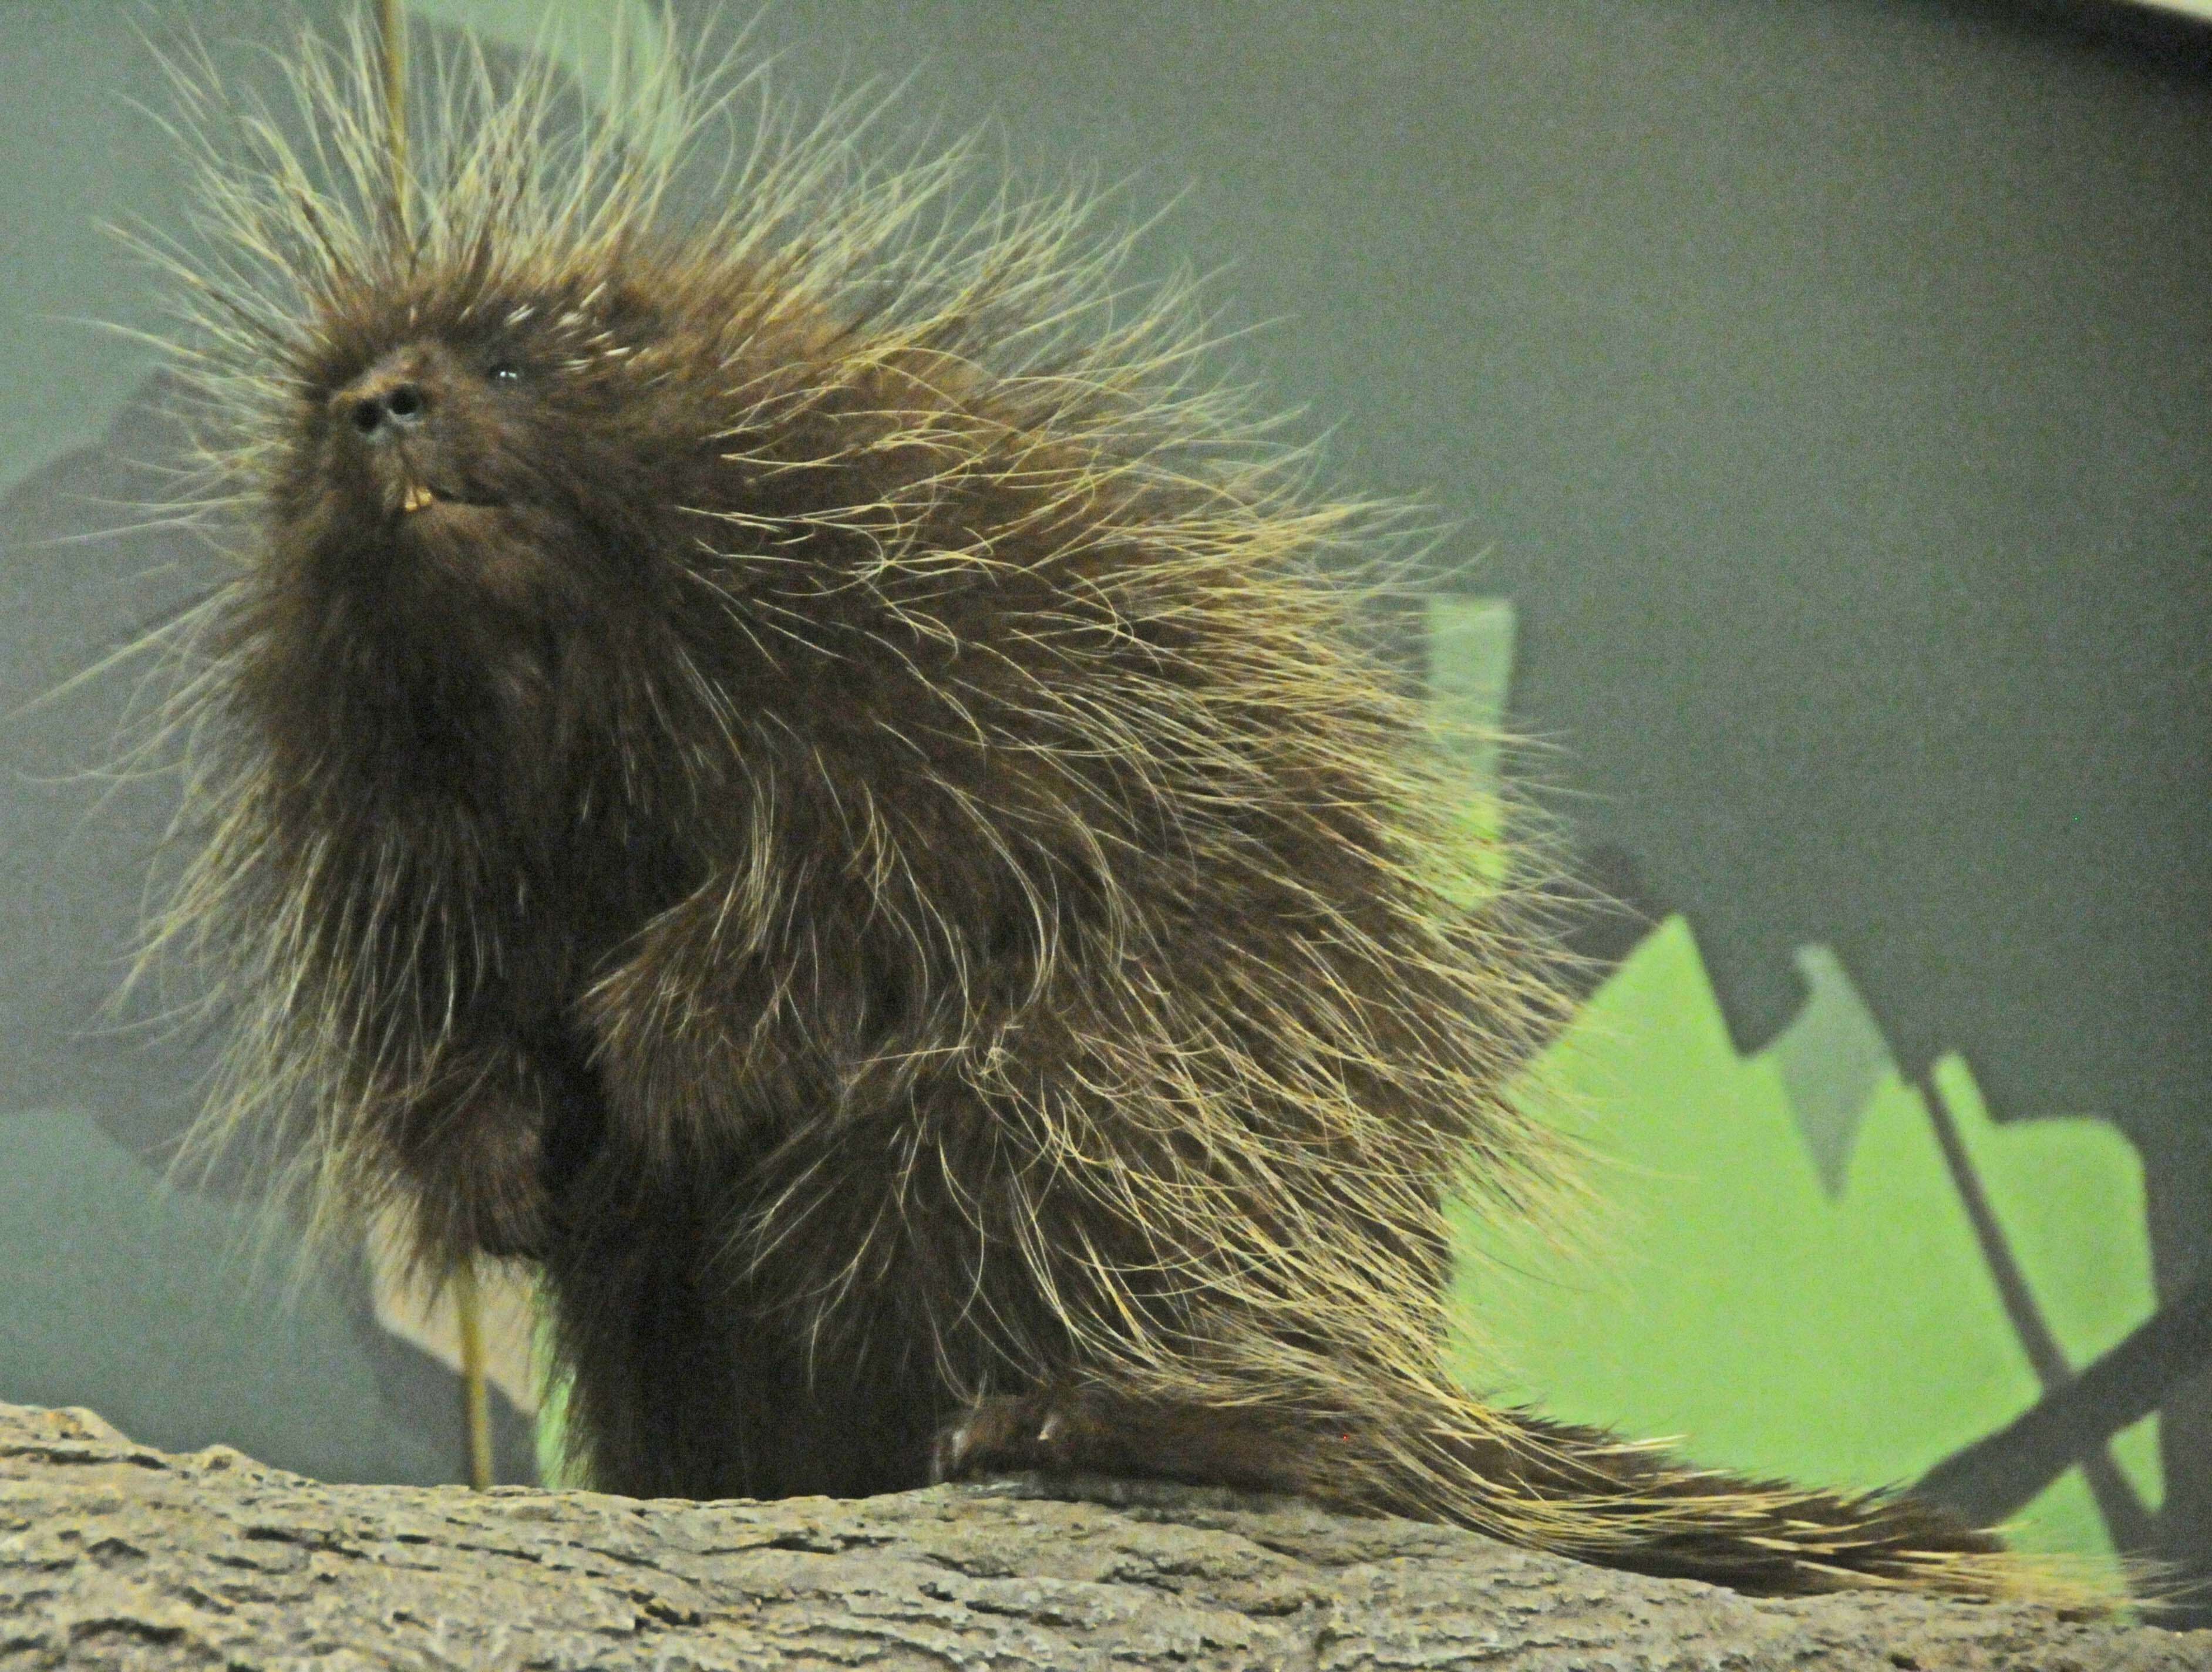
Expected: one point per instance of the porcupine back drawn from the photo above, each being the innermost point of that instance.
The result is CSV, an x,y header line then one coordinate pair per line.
x,y
820,793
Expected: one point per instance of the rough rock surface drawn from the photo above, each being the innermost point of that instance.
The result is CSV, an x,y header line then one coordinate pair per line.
x,y
113,1554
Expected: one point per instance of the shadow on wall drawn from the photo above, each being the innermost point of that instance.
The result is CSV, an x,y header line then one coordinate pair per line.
x,y
184,1318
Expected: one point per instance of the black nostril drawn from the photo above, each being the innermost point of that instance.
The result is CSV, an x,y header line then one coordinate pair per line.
x,y
387,409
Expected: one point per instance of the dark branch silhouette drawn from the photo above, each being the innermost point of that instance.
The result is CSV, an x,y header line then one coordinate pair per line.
x,y
2125,1519
1999,1473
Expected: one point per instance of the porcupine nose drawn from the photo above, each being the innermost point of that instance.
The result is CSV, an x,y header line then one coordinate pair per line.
x,y
386,406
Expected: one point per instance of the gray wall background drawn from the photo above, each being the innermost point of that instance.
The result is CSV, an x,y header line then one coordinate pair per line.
x,y
1825,381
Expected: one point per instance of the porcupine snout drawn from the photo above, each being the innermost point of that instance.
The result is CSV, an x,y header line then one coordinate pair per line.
x,y
386,402
412,424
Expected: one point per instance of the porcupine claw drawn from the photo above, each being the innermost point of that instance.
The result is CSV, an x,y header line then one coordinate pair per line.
x,y
1005,1436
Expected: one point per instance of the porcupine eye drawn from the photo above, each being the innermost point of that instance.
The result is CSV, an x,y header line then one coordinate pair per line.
x,y
505,371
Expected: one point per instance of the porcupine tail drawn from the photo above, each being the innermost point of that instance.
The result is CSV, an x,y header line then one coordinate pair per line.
x,y
1588,1494
1433,1453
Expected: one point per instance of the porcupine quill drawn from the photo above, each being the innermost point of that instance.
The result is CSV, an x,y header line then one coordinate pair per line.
x,y
790,765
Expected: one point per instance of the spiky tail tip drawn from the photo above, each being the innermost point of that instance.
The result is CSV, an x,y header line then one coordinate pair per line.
x,y
1586,1493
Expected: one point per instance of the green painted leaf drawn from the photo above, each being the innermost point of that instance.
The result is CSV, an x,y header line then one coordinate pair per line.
x,y
1729,1300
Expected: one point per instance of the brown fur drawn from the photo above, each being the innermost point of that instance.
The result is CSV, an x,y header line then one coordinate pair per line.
x,y
848,832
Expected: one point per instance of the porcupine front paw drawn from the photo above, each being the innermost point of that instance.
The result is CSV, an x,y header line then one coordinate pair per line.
x,y
478,1169
500,1204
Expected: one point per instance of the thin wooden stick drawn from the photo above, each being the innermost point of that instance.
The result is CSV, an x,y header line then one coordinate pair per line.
x,y
468,1309
391,19
391,41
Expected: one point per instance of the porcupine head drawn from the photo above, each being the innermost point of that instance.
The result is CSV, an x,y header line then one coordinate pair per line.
x,y
790,763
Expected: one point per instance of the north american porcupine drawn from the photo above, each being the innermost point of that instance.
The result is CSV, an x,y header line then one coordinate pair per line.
x,y
764,767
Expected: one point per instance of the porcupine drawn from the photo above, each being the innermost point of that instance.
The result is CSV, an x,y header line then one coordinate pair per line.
x,y
789,766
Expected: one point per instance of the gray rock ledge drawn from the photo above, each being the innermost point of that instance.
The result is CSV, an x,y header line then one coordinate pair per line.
x,y
116,1555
